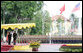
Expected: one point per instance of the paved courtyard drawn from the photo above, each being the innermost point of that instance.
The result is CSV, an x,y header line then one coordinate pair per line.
x,y
43,47
50,48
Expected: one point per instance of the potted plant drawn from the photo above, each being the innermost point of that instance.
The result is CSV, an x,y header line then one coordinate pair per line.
x,y
35,46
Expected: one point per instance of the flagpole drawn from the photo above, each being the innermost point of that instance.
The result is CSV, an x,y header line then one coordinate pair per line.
x,y
62,10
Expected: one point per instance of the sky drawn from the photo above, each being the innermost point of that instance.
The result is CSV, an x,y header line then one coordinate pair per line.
x,y
53,7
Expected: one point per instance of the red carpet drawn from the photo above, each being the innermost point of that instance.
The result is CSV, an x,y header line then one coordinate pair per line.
x,y
6,47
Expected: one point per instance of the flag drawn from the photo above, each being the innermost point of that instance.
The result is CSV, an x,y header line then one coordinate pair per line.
x,y
77,7
62,9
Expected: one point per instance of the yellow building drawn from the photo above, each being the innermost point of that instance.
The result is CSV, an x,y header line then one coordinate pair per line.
x,y
63,28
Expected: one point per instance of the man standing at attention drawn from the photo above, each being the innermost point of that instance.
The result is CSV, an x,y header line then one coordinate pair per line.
x,y
14,37
9,38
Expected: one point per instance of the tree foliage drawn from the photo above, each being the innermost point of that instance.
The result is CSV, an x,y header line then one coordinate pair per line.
x,y
24,12
38,20
47,22
20,10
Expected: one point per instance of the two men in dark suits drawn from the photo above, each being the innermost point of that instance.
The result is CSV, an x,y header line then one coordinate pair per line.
x,y
14,38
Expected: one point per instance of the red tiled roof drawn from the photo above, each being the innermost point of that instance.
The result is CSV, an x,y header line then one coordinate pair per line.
x,y
59,16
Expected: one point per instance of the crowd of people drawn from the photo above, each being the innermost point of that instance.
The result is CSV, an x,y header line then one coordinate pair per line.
x,y
11,36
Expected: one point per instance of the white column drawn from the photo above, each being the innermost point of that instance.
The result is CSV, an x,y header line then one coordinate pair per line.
x,y
64,27
12,37
4,38
60,29
79,27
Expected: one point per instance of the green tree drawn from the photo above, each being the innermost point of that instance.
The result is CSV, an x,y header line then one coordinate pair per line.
x,y
20,9
47,22
75,22
38,20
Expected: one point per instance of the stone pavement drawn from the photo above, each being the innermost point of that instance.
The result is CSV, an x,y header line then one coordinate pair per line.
x,y
50,48
43,47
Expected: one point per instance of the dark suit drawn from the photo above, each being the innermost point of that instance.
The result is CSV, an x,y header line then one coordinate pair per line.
x,y
9,39
14,38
